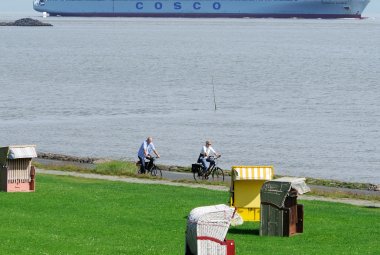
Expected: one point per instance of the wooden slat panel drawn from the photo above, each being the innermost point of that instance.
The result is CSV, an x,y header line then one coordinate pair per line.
x,y
19,170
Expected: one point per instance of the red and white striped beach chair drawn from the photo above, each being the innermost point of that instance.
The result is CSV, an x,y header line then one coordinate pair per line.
x,y
207,229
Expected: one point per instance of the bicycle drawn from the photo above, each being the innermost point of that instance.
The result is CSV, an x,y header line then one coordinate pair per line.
x,y
153,170
215,172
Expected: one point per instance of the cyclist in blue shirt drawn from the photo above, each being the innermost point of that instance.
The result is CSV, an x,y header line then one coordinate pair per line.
x,y
145,152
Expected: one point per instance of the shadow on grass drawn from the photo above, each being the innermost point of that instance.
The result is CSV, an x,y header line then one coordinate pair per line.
x,y
238,231
372,207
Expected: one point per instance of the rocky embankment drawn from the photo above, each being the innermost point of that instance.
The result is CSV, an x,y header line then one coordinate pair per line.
x,y
26,22
60,157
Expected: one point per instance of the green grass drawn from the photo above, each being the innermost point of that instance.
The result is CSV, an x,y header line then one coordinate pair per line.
x,y
116,168
338,184
69,215
126,168
62,167
343,194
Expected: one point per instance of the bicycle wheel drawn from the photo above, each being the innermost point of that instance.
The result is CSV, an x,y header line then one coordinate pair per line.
x,y
156,171
218,175
198,176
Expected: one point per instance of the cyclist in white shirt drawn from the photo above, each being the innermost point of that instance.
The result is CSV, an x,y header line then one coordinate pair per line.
x,y
205,154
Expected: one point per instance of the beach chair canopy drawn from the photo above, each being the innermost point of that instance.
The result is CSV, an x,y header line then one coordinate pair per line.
x,y
276,191
17,152
252,173
213,213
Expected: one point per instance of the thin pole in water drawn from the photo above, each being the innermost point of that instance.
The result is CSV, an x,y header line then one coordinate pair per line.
x,y
213,90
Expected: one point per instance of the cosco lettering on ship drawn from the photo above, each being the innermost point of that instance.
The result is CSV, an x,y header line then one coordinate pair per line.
x,y
178,5
205,8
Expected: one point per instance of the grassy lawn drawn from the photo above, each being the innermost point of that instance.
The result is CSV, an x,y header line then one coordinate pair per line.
x,y
69,215
126,168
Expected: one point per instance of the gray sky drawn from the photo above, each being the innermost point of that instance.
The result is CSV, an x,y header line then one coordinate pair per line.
x,y
26,6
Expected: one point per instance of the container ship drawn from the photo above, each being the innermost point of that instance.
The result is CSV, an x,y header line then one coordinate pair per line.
x,y
204,8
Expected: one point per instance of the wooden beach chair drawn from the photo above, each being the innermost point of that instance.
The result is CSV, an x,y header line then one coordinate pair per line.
x,y
16,170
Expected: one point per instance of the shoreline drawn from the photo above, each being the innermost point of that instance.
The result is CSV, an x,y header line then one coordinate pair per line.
x,y
89,162
62,157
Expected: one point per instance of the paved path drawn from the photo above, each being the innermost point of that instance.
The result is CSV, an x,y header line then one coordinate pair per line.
x,y
365,203
132,180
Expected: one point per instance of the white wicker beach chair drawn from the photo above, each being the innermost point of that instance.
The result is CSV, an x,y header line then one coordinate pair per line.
x,y
207,229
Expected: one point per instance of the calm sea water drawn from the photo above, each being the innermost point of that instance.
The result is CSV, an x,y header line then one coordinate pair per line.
x,y
301,95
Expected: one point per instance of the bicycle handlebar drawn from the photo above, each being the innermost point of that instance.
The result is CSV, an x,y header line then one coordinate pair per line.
x,y
154,157
215,157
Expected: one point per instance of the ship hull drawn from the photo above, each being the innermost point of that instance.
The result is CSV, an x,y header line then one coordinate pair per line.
x,y
205,8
